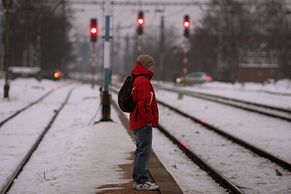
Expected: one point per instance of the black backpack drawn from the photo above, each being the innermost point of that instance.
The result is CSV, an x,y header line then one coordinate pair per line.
x,y
125,100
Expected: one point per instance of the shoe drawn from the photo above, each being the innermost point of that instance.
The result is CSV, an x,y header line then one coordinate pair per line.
x,y
147,186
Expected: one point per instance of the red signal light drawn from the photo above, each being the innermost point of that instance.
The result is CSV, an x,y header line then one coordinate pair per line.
x,y
93,30
140,18
186,24
140,21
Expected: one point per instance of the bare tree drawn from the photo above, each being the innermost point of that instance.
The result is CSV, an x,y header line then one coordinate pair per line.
x,y
172,51
234,32
39,34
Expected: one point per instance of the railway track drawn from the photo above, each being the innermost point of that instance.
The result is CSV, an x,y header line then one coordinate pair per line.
x,y
226,152
232,138
218,177
263,153
215,174
274,112
208,168
6,186
28,106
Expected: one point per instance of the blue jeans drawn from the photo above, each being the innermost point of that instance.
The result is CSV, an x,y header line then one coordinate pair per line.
x,y
143,150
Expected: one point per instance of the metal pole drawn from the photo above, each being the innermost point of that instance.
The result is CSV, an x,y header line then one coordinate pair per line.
x,y
63,60
162,49
139,45
6,54
220,40
185,57
93,64
38,60
106,97
28,39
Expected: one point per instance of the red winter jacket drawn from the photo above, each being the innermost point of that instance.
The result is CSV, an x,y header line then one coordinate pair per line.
x,y
146,110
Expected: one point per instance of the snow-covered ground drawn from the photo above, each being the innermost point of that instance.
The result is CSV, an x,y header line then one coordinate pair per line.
x,y
270,134
250,172
79,157
75,156
280,87
18,135
22,92
277,94
239,165
190,178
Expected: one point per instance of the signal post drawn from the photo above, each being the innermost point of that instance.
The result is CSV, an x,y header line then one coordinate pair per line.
x,y
186,25
140,23
93,35
7,5
106,97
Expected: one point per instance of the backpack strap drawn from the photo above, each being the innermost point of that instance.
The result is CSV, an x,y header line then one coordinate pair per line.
x,y
135,76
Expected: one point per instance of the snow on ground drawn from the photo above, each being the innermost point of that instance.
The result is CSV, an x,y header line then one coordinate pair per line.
x,y
75,156
274,94
18,135
23,92
280,87
190,178
78,157
250,172
270,134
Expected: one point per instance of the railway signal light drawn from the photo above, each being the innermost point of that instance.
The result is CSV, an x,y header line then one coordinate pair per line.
x,y
186,25
140,23
93,30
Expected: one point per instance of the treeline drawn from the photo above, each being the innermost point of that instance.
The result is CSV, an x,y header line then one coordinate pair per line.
x,y
151,44
38,34
230,33
235,32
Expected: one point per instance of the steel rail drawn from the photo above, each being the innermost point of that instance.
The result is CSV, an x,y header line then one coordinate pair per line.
x,y
228,101
26,107
219,178
286,165
20,167
246,102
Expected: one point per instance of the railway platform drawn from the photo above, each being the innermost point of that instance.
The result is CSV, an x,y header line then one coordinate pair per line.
x,y
158,173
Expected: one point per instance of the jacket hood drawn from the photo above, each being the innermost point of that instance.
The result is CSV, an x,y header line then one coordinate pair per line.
x,y
140,70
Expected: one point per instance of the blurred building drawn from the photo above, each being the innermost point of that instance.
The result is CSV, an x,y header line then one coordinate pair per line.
x,y
257,72
258,65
